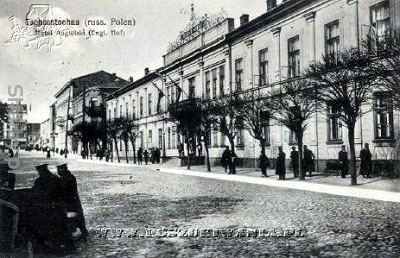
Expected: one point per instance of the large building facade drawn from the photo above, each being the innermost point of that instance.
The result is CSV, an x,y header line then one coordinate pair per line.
x,y
16,127
212,59
81,100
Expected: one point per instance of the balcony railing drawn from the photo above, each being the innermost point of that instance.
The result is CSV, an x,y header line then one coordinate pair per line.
x,y
95,111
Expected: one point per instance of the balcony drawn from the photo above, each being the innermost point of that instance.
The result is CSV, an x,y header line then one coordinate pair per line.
x,y
95,111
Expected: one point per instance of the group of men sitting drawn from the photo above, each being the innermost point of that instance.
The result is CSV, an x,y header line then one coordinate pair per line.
x,y
50,213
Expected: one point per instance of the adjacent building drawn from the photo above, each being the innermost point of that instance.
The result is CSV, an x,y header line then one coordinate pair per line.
x,y
16,127
81,100
33,136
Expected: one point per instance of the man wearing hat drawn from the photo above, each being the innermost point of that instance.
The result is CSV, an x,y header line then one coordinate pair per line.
x,y
47,218
7,180
70,197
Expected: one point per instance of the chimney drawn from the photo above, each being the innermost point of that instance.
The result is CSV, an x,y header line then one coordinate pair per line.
x,y
244,19
270,4
131,79
146,71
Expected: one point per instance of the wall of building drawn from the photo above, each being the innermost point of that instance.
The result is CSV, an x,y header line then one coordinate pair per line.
x,y
272,33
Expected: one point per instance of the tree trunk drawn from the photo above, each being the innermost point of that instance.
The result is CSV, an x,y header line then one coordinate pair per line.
x,y
116,149
188,149
133,149
232,142
126,150
207,157
302,173
353,171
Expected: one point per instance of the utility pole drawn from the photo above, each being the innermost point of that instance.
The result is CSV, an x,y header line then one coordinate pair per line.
x,y
66,125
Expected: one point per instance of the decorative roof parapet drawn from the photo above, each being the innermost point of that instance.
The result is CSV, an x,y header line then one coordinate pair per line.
x,y
196,26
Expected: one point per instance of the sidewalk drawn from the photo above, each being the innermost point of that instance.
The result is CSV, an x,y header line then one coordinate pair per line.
x,y
377,188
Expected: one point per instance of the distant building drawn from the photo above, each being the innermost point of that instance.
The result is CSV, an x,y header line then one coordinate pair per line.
x,y
16,128
45,134
82,100
33,135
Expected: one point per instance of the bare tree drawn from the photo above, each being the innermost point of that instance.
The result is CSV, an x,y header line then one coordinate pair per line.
x,y
254,108
385,52
187,115
113,133
226,115
346,79
292,106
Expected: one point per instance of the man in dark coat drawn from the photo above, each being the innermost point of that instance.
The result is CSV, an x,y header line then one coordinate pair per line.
x,y
280,164
343,161
264,164
225,158
70,197
308,160
366,161
232,162
294,159
140,156
47,219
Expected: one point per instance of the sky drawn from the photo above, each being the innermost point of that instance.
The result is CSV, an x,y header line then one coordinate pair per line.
x,y
42,69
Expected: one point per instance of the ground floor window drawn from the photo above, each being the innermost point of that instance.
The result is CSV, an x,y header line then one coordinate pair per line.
x,y
383,110
334,122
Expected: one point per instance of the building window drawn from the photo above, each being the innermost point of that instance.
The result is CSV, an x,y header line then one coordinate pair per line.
x,y
294,56
120,111
239,74
127,110
332,40
109,114
141,139
173,93
334,122
215,135
169,138
133,110
383,107
174,145
263,80
115,113
239,132
169,94
150,102
380,18
192,87
214,83
141,107
221,80
208,83
93,102
150,139
160,138
265,127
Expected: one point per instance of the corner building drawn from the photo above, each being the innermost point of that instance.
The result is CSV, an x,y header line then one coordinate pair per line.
x,y
212,59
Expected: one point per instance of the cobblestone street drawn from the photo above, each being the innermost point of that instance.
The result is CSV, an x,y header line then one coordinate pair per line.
x,y
137,211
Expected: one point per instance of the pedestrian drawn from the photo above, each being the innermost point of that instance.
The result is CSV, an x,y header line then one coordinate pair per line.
x,y
46,219
366,161
232,162
146,156
264,164
294,160
200,148
70,198
308,160
7,180
280,164
343,162
48,152
225,158
158,155
140,155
